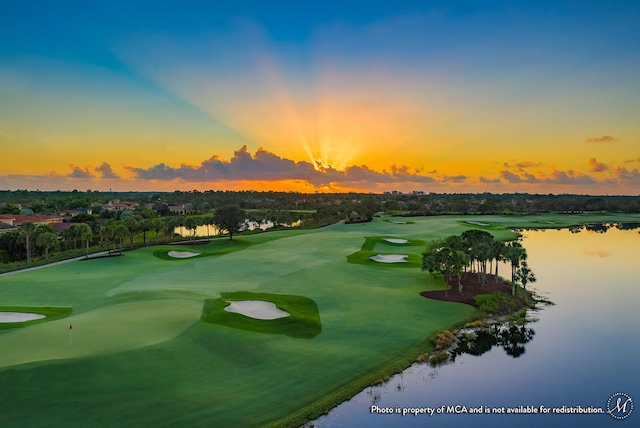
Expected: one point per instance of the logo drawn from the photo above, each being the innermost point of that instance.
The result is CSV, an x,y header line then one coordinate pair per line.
x,y
619,406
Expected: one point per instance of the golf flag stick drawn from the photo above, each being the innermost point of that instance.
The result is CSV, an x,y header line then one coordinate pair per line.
x,y
70,328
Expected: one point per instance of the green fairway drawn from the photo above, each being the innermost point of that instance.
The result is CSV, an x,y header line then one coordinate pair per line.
x,y
151,345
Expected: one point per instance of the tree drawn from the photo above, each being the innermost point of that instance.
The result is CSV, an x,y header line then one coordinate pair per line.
x,y
47,240
207,220
449,258
27,229
145,225
229,218
525,276
85,233
131,223
498,249
191,224
514,254
115,232
157,225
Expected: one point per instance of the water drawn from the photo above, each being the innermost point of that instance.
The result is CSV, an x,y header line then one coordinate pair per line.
x,y
579,352
203,231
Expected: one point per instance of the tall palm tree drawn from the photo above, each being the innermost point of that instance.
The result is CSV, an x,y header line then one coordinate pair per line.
x,y
27,229
526,276
131,223
47,240
84,231
515,254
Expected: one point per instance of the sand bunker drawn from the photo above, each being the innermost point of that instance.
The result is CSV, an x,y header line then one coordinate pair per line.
x,y
397,222
396,240
477,223
19,316
182,254
389,258
258,309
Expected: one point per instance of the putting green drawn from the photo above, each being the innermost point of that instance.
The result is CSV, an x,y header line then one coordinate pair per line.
x,y
107,330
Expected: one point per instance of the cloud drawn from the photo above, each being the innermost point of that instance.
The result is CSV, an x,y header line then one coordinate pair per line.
x,y
80,173
603,139
597,253
632,160
555,177
106,171
521,177
625,175
596,166
489,181
523,164
267,166
569,177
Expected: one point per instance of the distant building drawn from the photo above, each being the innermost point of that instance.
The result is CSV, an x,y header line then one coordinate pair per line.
x,y
181,208
18,219
118,205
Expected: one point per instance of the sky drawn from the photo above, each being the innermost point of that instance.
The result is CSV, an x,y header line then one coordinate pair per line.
x,y
332,96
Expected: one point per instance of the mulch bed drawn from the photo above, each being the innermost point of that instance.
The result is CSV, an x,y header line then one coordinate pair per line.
x,y
471,288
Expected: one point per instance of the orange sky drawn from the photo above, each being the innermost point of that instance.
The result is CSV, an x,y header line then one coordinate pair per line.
x,y
352,105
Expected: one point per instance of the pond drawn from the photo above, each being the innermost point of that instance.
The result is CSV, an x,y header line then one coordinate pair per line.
x,y
578,352
204,231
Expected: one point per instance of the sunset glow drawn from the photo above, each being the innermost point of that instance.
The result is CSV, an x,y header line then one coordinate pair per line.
x,y
435,96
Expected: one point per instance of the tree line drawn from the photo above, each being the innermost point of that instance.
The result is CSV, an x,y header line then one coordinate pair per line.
x,y
476,251
30,240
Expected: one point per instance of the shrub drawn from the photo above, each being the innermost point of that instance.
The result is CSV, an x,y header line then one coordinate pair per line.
x,y
444,340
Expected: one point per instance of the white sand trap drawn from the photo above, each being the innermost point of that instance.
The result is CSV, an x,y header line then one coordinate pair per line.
x,y
389,258
397,222
396,240
19,316
182,254
477,223
258,309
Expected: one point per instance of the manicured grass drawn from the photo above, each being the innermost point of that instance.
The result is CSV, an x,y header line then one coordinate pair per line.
x,y
303,320
142,356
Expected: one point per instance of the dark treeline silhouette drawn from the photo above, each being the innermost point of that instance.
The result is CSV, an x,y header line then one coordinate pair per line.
x,y
415,203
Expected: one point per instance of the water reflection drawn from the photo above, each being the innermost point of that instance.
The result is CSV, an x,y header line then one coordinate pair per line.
x,y
208,231
476,341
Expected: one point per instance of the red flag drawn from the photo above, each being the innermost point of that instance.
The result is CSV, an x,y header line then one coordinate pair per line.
x,y
70,327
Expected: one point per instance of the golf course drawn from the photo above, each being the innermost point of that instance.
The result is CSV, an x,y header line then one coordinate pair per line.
x,y
267,329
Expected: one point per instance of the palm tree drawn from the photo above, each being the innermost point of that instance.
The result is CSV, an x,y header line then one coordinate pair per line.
x,y
28,229
157,224
191,224
525,275
498,249
85,233
131,223
515,254
47,240
145,225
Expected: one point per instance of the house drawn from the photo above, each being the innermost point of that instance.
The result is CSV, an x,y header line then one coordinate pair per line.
x,y
17,219
181,208
118,205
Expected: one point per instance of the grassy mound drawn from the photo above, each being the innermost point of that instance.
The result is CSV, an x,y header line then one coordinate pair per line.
x,y
303,320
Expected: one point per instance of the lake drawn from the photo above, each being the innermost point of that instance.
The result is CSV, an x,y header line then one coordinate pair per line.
x,y
580,351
